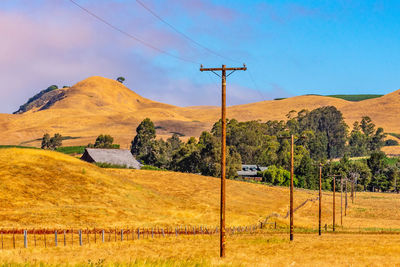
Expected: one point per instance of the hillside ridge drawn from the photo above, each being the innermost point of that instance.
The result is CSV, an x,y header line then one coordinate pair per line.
x,y
99,105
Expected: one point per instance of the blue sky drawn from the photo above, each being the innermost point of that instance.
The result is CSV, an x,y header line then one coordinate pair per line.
x,y
290,47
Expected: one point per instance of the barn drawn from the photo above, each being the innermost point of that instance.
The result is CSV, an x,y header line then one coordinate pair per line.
x,y
250,172
122,157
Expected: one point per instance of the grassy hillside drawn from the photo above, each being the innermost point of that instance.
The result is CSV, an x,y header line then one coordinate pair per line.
x,y
103,106
62,191
355,98
49,189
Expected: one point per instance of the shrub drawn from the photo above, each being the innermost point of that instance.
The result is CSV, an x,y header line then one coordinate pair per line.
x,y
391,142
151,168
111,166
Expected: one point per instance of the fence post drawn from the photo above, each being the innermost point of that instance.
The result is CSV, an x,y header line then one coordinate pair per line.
x,y
194,230
44,233
152,233
2,242
25,239
122,235
163,233
13,238
102,235
95,236
80,237
88,236
72,237
115,234
65,241
55,238
275,224
138,233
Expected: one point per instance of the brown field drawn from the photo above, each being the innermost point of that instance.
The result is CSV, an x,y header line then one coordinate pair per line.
x,y
261,249
48,189
98,105
62,191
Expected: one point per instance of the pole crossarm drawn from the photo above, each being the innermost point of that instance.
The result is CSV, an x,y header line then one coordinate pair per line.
x,y
220,69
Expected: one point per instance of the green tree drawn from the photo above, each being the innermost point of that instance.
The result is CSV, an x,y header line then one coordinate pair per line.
x,y
46,141
277,176
103,141
305,173
377,165
210,152
121,79
55,141
358,142
142,144
327,121
367,126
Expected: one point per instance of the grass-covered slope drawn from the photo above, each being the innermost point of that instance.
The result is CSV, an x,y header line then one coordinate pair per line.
x,y
356,98
99,105
49,189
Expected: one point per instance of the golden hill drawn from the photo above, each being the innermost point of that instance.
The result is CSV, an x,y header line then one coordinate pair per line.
x,y
99,105
48,189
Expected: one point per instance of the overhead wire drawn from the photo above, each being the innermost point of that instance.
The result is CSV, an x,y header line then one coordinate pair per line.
x,y
131,36
196,43
255,85
183,34
159,49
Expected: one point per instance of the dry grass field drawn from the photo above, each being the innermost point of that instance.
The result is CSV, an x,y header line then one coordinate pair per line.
x,y
98,105
48,189
262,249
62,191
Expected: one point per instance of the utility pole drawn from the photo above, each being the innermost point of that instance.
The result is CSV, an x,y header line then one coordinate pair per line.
x,y
291,186
291,181
320,198
341,200
334,200
223,147
345,199
354,176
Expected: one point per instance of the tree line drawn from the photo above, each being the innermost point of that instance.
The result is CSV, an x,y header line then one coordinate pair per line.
x,y
325,137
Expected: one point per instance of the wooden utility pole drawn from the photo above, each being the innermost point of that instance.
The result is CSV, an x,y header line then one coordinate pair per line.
x,y
341,200
223,147
354,176
334,200
345,199
291,182
291,187
320,198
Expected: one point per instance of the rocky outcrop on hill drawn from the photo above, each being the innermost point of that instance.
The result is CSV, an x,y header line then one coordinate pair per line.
x,y
42,100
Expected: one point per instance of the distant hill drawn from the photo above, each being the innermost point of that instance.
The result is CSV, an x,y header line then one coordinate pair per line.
x,y
355,98
99,105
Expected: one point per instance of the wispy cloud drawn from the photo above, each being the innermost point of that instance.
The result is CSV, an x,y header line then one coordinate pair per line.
x,y
51,43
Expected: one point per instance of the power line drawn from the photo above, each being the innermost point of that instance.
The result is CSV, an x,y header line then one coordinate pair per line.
x,y
183,34
255,85
197,43
131,36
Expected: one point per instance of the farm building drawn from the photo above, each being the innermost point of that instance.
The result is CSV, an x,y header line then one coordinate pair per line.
x,y
249,172
122,157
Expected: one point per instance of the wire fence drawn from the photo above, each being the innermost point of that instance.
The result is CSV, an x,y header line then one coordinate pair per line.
x,y
21,238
